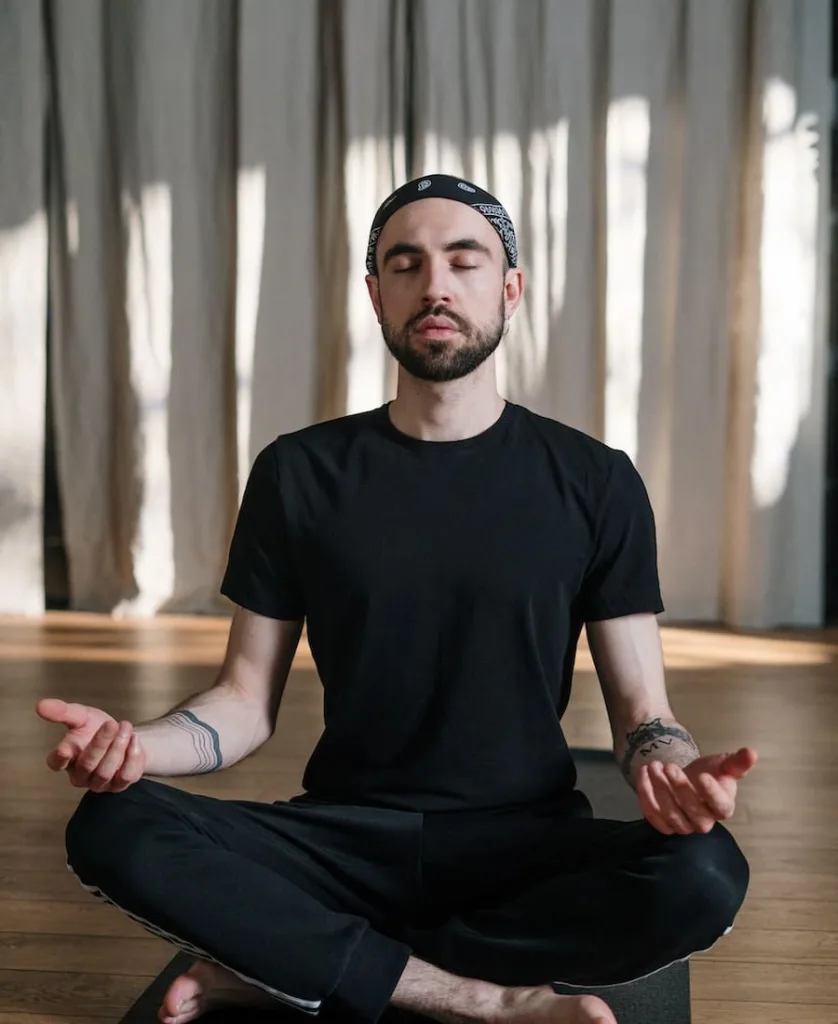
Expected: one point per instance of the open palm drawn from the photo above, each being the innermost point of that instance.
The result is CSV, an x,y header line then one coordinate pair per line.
x,y
97,751
693,798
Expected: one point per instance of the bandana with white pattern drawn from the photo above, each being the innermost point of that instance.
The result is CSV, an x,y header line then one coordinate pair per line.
x,y
445,186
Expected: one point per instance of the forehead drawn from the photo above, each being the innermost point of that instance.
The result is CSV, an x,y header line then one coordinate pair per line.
x,y
432,223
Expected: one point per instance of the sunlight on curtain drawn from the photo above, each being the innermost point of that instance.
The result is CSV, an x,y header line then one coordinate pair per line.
x,y
366,188
627,157
548,153
249,252
149,316
788,269
506,183
23,283
543,227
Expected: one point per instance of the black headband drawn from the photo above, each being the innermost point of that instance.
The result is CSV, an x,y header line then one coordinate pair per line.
x,y
444,186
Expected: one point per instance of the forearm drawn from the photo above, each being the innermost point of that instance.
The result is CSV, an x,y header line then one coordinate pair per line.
x,y
205,733
655,739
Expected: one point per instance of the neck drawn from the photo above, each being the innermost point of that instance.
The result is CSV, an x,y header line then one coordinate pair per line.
x,y
452,411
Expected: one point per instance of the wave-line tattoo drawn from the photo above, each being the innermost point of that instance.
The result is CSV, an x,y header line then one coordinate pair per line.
x,y
655,734
204,739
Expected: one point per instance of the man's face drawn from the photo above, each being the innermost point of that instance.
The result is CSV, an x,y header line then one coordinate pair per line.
x,y
441,295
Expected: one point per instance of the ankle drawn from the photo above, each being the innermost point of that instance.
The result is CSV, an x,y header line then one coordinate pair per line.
x,y
445,997
482,1002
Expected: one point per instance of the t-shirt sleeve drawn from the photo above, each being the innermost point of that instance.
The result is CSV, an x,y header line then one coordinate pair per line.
x,y
261,573
622,577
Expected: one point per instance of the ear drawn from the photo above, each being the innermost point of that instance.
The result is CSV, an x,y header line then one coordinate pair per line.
x,y
513,290
375,294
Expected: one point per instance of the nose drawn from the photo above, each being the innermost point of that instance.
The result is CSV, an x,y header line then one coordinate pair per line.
x,y
437,282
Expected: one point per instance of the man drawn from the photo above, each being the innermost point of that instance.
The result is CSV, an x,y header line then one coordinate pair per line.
x,y
445,550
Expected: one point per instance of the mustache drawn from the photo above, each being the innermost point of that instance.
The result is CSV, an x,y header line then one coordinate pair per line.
x,y
414,321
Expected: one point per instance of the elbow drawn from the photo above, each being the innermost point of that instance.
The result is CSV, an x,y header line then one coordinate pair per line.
x,y
261,714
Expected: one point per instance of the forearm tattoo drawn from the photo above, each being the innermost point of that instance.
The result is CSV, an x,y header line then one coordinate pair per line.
x,y
654,736
204,740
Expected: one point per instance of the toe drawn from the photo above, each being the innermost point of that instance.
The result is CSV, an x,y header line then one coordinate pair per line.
x,y
180,999
595,1010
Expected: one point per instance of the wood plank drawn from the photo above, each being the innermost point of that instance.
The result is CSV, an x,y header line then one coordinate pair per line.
x,y
776,947
51,917
716,1011
795,915
795,884
771,983
85,954
53,884
86,995
52,1018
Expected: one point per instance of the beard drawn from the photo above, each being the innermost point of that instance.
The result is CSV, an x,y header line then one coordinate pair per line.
x,y
437,359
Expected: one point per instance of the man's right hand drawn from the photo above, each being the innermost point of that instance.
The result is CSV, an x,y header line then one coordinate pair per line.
x,y
97,752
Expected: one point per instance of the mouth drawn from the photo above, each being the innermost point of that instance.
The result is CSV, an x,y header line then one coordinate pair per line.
x,y
436,327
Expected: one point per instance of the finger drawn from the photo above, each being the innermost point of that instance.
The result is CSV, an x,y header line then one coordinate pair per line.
x,y
739,764
670,810
88,760
61,756
112,759
691,804
132,767
713,794
648,803
51,709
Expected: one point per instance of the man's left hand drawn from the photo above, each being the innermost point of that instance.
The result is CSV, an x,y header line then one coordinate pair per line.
x,y
694,798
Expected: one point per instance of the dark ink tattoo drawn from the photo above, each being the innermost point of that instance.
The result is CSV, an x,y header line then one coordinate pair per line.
x,y
651,736
204,740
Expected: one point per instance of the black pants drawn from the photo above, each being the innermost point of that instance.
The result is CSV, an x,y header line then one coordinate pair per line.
x,y
322,905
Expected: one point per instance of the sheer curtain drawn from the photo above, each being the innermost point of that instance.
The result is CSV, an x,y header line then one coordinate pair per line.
x,y
23,308
203,199
670,311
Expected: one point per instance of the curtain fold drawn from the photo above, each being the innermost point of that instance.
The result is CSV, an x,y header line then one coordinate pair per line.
x,y
146,88
513,97
775,507
23,307
367,83
277,206
213,171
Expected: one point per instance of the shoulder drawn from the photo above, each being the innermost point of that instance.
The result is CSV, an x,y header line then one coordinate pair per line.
x,y
322,438
600,477
580,453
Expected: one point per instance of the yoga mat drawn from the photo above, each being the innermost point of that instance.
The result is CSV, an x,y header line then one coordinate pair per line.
x,y
662,998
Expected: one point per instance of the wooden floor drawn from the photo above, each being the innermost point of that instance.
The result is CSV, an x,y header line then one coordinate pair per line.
x,y
64,957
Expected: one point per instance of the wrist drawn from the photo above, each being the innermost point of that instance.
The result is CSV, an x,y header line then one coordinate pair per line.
x,y
656,739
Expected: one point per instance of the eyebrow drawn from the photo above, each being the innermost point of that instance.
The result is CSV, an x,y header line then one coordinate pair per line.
x,y
459,245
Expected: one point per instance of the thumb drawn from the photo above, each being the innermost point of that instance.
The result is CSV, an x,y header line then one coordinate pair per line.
x,y
738,765
51,709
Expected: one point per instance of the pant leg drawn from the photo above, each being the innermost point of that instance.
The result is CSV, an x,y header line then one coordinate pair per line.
x,y
284,895
620,900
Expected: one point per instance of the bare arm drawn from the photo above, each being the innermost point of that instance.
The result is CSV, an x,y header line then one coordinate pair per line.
x,y
218,727
629,663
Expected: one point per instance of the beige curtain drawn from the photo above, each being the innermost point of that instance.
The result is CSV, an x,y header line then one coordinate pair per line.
x,y
363,71
630,141
23,307
213,172
185,319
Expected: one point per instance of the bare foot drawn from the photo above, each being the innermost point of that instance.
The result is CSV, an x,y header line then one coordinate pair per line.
x,y
205,987
541,1005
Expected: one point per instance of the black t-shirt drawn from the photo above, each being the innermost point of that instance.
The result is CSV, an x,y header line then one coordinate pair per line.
x,y
444,585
